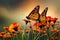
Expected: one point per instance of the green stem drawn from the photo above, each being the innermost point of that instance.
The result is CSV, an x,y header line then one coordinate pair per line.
x,y
39,37
48,32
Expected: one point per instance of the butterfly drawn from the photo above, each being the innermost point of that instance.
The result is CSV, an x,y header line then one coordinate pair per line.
x,y
34,15
43,15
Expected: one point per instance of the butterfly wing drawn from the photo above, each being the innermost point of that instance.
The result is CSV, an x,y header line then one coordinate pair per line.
x,y
34,14
43,14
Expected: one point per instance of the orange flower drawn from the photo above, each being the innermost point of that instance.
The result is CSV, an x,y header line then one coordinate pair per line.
x,y
43,23
37,24
36,29
12,31
16,24
54,30
53,19
43,31
48,18
47,26
26,20
27,31
58,31
14,27
51,23
4,36
20,28
9,35
1,35
5,28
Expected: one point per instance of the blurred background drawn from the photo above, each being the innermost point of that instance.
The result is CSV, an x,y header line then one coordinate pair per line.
x,y
16,10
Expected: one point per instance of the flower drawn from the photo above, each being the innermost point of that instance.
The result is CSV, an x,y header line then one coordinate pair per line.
x,y
43,23
54,19
9,35
58,31
47,26
57,22
43,31
27,31
5,28
36,29
26,20
20,28
48,18
4,36
37,24
14,27
1,35
54,30
12,31
52,23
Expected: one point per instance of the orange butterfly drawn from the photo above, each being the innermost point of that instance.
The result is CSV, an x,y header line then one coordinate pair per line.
x,y
34,15
43,15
